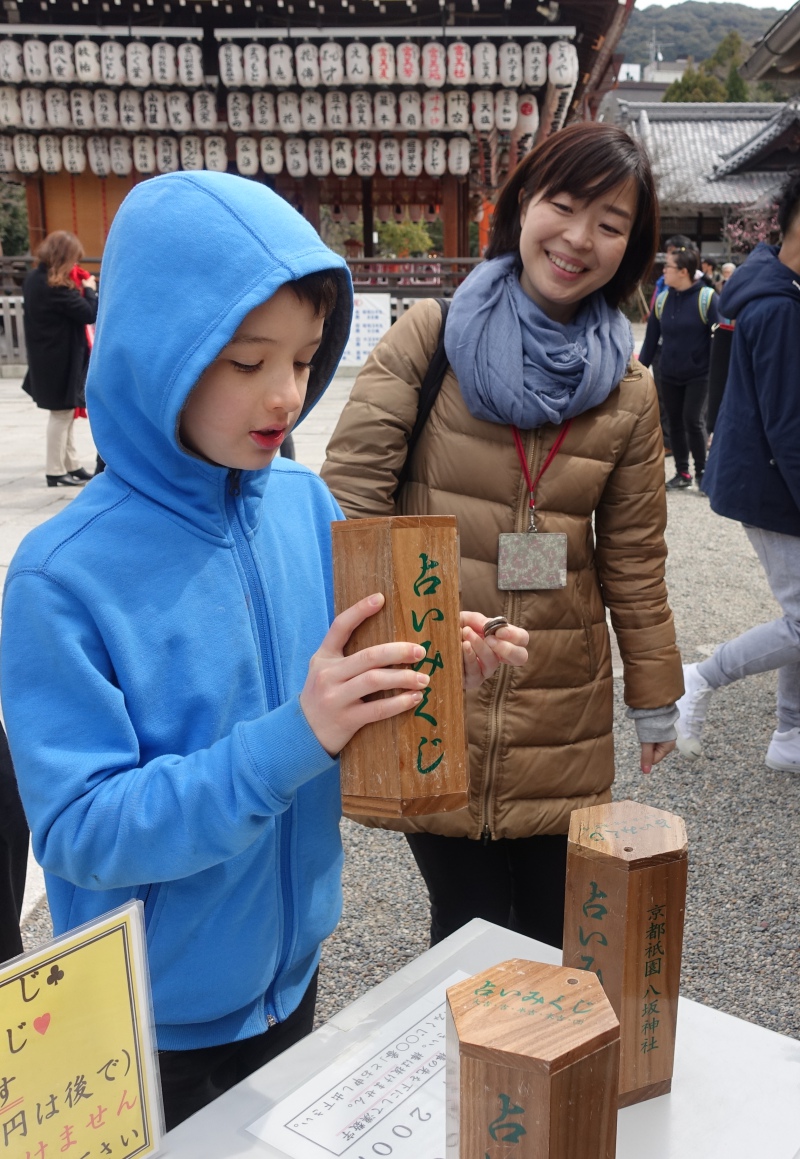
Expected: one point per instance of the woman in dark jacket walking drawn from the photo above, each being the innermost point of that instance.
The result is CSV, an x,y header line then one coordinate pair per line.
x,y
56,315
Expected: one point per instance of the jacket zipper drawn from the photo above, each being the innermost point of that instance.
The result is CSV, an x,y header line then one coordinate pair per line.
x,y
257,602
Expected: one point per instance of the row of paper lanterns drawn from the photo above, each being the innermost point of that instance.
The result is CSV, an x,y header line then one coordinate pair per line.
x,y
257,65
287,112
319,156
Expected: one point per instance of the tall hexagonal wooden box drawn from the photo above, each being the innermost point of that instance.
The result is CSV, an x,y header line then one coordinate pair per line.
x,y
532,1065
625,907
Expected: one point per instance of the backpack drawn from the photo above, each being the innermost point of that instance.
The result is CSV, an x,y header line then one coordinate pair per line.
x,y
703,302
429,389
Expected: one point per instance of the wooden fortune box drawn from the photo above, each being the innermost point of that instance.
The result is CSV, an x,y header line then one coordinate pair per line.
x,y
625,907
532,1065
415,762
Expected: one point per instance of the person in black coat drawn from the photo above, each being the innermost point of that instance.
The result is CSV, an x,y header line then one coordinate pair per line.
x,y
13,855
56,313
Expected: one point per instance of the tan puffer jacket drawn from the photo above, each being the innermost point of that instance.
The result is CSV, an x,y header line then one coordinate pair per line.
x,y
540,737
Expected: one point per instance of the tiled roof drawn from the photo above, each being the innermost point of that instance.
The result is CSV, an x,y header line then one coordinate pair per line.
x,y
687,144
736,161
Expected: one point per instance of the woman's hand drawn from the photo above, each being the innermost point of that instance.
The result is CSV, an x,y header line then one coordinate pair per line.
x,y
508,645
653,753
90,282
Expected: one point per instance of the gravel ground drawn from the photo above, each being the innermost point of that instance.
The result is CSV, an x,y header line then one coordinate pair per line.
x,y
742,946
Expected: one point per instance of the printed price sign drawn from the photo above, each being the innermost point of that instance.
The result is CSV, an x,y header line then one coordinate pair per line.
x,y
386,1097
77,1069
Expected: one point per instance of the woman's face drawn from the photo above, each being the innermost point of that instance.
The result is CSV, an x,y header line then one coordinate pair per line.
x,y
570,247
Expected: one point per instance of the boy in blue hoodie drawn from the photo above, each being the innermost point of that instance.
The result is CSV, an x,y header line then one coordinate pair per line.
x,y
173,688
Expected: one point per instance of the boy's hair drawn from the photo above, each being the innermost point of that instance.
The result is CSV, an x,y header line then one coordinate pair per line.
x,y
319,290
685,259
679,241
584,160
789,203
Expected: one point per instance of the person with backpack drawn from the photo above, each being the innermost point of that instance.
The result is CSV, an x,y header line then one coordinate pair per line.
x,y
682,318
544,441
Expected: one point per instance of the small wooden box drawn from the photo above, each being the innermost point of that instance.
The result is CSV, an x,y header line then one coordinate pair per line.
x,y
625,907
416,762
532,1065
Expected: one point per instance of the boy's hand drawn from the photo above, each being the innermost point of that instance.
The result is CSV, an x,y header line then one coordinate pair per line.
x,y
332,698
482,656
653,753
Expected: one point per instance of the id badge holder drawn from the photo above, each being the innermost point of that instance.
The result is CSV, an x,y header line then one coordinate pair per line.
x,y
532,561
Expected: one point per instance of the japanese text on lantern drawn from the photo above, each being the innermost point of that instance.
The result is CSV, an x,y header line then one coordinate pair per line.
x,y
653,964
422,621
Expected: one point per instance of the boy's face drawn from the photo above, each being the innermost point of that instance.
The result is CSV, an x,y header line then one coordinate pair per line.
x,y
246,401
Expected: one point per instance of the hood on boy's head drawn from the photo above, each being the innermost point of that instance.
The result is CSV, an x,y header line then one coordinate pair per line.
x,y
189,255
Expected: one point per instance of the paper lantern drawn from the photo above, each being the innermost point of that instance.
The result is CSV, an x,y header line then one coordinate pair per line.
x,y
410,110
357,63
119,148
458,110
155,110
81,108
50,157
10,112
534,64
144,155
360,110
130,110
7,162
179,111
165,71
288,109
435,159
26,153
296,157
167,154
264,118
31,104
331,63
112,63
385,111
87,62
99,155
312,112
271,155
527,115
204,109
433,110
562,64
459,63
56,107
306,59
458,156
73,151
12,68
509,64
434,64
137,65
37,68
215,152
365,162
484,63
254,64
231,66
342,156
382,63
505,110
238,105
62,69
191,152
389,157
106,115
483,111
407,63
281,72
336,110
190,64
319,157
411,157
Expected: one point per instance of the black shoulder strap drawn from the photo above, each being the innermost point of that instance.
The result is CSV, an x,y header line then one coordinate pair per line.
x,y
429,389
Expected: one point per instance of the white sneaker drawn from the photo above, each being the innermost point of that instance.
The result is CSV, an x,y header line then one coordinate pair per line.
x,y
783,753
692,708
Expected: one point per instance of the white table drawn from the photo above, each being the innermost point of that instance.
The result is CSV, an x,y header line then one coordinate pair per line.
x,y
735,1092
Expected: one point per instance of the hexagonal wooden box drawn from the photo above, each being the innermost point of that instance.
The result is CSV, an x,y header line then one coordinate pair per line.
x,y
532,1065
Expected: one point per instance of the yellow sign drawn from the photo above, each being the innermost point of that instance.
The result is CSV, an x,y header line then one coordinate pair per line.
x,y
78,1078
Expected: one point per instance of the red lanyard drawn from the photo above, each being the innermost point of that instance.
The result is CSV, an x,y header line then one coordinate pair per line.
x,y
533,483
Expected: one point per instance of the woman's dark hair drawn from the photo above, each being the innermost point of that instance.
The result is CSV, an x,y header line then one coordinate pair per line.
x,y
58,253
584,160
319,290
789,203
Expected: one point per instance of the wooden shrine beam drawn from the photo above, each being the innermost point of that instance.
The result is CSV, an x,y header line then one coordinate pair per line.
x,y
37,227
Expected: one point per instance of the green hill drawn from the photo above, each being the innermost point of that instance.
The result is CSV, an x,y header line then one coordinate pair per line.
x,y
693,28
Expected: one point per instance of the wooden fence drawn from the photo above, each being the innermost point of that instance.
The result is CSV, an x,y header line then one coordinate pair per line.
x,y
12,336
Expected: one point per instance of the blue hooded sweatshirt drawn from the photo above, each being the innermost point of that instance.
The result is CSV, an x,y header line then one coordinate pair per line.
x,y
157,633
753,470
